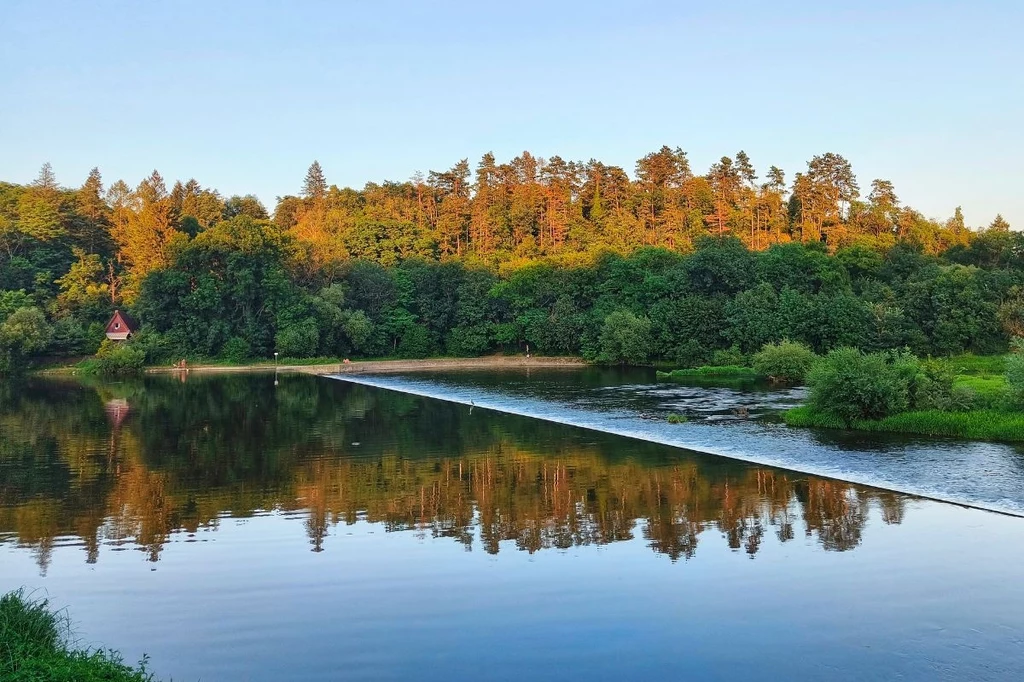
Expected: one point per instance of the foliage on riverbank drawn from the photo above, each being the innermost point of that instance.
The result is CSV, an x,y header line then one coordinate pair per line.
x,y
894,392
785,362
992,425
34,647
660,273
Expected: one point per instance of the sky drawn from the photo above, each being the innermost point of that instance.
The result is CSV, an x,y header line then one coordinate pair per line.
x,y
243,96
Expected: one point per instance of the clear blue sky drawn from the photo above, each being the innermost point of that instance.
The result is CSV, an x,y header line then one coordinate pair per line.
x,y
244,95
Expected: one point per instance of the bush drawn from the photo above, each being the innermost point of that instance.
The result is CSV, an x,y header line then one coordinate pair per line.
x,y
156,347
784,362
625,339
119,359
853,385
236,350
931,388
731,356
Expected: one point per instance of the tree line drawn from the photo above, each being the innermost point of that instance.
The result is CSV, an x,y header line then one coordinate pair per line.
x,y
551,255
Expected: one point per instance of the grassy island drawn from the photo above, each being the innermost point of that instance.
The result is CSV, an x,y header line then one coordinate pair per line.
x,y
894,392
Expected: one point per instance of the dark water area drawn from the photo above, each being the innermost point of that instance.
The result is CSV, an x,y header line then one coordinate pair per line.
x,y
736,419
253,527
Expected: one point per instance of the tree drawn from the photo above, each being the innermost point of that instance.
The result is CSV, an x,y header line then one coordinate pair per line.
x,y
784,362
24,333
625,339
314,187
248,205
999,224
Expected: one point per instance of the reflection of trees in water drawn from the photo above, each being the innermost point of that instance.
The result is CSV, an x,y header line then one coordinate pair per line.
x,y
185,455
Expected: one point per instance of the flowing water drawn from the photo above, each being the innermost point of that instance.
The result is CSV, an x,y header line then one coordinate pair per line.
x,y
253,527
739,420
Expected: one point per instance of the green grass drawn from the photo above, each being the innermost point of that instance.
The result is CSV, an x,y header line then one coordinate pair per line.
x,y
986,424
989,391
34,648
727,371
970,364
677,419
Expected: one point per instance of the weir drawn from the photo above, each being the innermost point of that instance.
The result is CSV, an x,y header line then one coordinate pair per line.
x,y
988,476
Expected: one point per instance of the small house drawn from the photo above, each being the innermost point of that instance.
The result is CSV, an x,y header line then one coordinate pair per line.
x,y
121,327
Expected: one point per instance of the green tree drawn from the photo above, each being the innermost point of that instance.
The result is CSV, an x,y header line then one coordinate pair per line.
x,y
625,338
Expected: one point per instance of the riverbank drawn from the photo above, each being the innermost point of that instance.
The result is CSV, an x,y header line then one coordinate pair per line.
x,y
988,425
34,645
491,362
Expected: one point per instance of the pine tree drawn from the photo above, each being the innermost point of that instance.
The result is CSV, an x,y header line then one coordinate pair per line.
x,y
46,180
999,224
315,185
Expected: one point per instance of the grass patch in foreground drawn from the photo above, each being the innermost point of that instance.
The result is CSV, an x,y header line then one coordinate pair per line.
x,y
974,425
727,371
33,647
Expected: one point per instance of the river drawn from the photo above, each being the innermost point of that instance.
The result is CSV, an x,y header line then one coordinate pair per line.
x,y
261,527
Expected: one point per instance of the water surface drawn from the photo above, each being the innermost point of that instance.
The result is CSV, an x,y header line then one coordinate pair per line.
x,y
739,420
261,528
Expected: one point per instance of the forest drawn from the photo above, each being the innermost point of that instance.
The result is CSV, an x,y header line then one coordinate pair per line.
x,y
533,255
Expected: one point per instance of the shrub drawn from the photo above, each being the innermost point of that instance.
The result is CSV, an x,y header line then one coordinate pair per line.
x,y
784,362
625,339
931,387
236,350
118,359
853,385
156,347
731,356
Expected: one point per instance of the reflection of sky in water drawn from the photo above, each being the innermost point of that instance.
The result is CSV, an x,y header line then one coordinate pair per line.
x,y
308,557
250,601
730,421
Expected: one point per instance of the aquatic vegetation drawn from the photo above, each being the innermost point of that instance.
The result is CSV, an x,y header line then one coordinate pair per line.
x,y
34,646
677,419
728,371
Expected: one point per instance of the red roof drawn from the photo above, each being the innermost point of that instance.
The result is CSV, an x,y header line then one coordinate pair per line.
x,y
121,326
